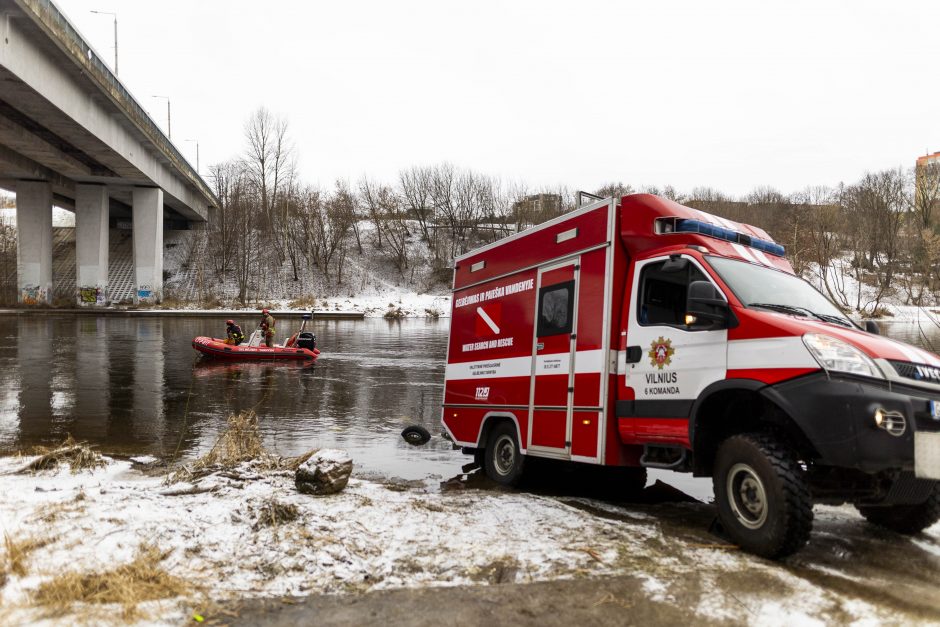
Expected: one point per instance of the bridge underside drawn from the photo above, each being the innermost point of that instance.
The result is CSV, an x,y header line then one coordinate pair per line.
x,y
72,136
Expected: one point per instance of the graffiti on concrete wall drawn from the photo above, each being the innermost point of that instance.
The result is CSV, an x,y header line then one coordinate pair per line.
x,y
92,296
33,295
144,293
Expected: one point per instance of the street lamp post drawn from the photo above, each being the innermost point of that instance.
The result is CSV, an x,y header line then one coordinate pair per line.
x,y
169,129
114,15
195,141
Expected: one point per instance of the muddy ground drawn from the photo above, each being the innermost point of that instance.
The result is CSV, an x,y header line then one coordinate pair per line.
x,y
848,565
460,551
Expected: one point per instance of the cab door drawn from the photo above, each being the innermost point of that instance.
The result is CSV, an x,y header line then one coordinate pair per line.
x,y
554,355
669,362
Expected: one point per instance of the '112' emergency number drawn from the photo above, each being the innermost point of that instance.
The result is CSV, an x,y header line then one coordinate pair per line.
x,y
483,394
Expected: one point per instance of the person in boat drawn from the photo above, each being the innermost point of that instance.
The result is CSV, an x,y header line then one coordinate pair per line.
x,y
234,333
267,327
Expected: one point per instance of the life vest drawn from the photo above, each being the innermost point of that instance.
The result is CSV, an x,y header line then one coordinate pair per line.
x,y
267,323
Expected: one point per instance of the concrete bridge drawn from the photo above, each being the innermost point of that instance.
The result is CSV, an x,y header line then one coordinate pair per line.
x,y
72,136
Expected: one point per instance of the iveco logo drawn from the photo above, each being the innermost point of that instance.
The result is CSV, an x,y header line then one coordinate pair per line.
x,y
928,373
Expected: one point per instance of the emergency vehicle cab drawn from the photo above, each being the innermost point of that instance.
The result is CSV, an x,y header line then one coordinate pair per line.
x,y
641,333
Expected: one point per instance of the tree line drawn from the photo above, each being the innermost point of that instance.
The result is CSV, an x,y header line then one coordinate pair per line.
x,y
882,231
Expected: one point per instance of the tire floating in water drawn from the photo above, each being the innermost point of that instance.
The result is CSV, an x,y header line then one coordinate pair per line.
x,y
416,435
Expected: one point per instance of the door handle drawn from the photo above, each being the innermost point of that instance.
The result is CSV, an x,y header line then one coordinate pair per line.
x,y
634,354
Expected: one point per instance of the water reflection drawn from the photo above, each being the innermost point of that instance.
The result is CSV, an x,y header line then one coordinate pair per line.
x,y
92,374
134,385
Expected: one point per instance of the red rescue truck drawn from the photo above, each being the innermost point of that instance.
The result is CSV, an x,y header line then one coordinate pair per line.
x,y
641,333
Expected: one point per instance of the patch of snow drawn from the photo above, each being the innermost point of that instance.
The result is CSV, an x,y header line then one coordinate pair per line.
x,y
373,536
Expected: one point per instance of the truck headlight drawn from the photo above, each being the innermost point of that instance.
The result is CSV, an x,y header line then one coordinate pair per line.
x,y
838,356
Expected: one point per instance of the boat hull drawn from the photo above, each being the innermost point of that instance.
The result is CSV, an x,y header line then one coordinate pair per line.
x,y
218,349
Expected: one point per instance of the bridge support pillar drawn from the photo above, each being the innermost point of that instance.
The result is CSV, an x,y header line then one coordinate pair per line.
x,y
91,244
148,245
34,242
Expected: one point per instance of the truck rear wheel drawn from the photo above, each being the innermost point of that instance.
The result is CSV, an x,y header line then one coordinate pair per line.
x,y
502,459
763,501
906,519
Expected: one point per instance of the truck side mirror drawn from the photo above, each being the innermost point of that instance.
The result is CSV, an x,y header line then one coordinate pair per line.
x,y
872,327
704,301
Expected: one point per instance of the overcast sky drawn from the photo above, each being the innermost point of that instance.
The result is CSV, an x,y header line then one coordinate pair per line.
x,y
725,94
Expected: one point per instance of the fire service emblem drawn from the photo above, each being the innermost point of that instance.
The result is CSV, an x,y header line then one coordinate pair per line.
x,y
661,352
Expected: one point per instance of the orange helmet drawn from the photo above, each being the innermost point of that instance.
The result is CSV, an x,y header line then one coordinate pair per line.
x,y
264,311
229,322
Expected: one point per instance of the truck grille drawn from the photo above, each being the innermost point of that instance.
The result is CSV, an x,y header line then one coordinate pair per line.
x,y
917,372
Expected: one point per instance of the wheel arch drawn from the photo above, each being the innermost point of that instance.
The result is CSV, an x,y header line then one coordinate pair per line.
x,y
734,406
493,418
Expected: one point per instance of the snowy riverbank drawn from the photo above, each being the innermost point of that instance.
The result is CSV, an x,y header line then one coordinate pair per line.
x,y
377,535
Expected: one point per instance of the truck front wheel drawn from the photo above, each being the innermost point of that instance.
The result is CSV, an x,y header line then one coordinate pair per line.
x,y
763,501
503,459
906,519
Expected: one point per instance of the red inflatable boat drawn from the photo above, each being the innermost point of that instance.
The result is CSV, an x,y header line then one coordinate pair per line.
x,y
301,346
217,348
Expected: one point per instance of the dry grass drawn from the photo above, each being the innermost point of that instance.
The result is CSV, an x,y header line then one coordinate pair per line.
x,y
172,301
78,455
273,513
394,314
50,513
210,301
303,302
141,580
16,552
239,443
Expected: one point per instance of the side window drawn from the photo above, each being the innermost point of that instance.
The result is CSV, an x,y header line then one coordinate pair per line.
x,y
663,289
556,309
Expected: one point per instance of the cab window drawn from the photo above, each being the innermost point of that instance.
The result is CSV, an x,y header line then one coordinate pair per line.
x,y
664,287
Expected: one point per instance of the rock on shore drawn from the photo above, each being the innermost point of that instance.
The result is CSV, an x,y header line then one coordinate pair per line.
x,y
325,472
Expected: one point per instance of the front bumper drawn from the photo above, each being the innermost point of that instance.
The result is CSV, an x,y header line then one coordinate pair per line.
x,y
836,413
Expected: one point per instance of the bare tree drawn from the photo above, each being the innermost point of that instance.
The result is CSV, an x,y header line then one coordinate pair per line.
x,y
415,186
369,193
270,164
325,222
229,181
391,219
926,196
615,190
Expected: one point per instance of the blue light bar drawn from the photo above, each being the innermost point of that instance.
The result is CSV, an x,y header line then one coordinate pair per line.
x,y
718,232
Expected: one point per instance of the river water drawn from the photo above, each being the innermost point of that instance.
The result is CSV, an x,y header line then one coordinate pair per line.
x,y
134,385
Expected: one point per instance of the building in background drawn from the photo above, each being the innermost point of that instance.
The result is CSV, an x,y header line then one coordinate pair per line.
x,y
927,184
537,208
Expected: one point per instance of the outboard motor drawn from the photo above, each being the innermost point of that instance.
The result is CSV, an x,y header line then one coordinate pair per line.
x,y
306,339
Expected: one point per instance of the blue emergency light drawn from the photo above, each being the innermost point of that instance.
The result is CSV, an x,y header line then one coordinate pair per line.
x,y
718,232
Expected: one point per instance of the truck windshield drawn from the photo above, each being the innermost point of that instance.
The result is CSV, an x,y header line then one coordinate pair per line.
x,y
759,287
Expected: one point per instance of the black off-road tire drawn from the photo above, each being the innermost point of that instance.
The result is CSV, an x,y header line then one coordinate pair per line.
x,y
416,435
503,461
762,470
905,519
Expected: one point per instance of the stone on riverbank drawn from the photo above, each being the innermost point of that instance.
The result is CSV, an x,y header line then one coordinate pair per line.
x,y
325,472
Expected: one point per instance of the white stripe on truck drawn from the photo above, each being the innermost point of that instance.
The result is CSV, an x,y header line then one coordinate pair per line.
x,y
771,352
586,362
